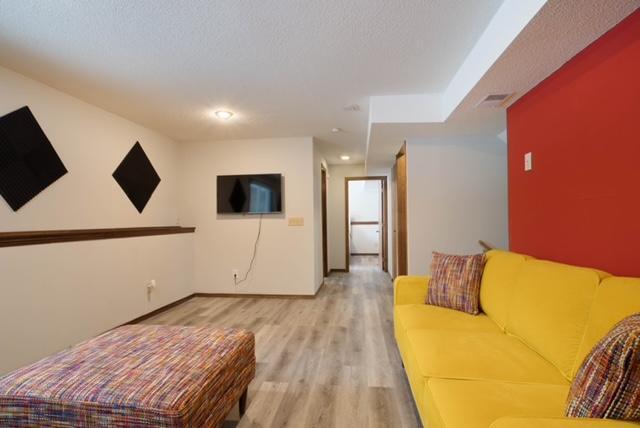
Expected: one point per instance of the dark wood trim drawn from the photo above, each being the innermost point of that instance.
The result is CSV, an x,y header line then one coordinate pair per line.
x,y
14,239
486,246
160,310
402,247
365,254
191,296
383,250
325,249
337,271
355,223
385,226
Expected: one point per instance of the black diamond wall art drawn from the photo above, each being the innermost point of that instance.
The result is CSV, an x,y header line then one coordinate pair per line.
x,y
28,162
137,177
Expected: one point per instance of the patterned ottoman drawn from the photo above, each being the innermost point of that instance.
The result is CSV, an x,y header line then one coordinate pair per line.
x,y
134,376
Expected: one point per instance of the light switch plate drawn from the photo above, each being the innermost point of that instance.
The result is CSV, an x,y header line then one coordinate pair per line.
x,y
528,161
296,221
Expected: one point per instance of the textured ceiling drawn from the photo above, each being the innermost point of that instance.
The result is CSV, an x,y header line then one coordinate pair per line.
x,y
286,67
560,30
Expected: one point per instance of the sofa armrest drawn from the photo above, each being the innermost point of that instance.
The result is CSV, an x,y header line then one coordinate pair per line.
x,y
533,422
409,290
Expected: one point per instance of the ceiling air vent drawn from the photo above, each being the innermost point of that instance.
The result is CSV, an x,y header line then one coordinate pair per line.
x,y
494,100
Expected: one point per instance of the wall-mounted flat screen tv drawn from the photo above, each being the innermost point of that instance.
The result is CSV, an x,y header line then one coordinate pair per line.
x,y
249,194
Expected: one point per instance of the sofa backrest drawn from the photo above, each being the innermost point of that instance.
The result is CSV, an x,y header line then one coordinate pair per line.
x,y
498,279
616,298
550,308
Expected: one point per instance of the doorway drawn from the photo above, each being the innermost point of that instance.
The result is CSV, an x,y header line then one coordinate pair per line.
x,y
366,223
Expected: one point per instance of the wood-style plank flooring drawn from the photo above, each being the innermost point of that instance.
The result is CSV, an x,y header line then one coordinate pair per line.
x,y
330,361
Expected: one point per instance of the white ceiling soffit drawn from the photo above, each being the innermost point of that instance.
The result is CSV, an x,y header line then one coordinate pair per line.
x,y
525,42
510,19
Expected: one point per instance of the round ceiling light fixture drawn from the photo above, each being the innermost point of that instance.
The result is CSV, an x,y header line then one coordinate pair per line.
x,y
345,157
223,114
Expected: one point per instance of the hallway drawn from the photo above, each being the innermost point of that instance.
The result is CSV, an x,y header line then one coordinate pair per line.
x,y
364,263
327,361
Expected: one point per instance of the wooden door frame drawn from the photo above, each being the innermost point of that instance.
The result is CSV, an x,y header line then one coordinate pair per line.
x,y
384,250
325,250
401,251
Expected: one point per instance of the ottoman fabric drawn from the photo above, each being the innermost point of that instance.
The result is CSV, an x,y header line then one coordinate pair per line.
x,y
134,376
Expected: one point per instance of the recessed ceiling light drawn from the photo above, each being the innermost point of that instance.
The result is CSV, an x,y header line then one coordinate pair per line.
x,y
345,157
335,130
223,114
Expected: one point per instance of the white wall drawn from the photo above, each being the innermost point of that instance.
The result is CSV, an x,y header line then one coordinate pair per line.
x,y
457,194
286,261
59,294
336,210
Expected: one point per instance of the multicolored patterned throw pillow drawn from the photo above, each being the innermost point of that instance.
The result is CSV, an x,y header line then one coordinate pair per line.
x,y
608,382
455,282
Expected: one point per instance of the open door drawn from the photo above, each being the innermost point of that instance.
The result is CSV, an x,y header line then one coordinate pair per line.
x,y
400,255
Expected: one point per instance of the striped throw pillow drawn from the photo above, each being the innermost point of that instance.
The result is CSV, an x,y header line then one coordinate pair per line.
x,y
455,282
608,382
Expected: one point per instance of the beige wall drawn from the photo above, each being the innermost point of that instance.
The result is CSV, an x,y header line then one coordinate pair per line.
x,y
56,295
336,210
457,194
287,259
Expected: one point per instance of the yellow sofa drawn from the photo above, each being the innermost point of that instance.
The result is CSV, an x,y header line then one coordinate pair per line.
x,y
512,365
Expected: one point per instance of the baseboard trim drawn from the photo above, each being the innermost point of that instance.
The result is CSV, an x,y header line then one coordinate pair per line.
x,y
235,295
337,271
159,310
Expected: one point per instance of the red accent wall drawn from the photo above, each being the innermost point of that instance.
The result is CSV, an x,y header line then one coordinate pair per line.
x,y
581,202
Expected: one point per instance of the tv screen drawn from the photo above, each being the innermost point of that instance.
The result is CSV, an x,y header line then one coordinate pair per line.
x,y
252,194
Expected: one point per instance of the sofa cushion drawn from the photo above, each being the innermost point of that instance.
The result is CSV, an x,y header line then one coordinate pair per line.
x,y
608,383
535,422
500,273
408,290
407,317
550,308
479,356
411,367
616,298
434,317
476,404
455,282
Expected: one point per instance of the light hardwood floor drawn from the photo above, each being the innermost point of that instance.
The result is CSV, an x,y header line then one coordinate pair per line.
x,y
330,361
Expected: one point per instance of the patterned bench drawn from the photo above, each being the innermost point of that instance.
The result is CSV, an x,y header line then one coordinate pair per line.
x,y
134,376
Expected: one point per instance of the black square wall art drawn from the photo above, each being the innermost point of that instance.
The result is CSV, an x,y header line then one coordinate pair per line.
x,y
28,161
137,177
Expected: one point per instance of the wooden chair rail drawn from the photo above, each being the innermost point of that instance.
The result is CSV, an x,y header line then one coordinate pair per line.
x,y
15,239
486,246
